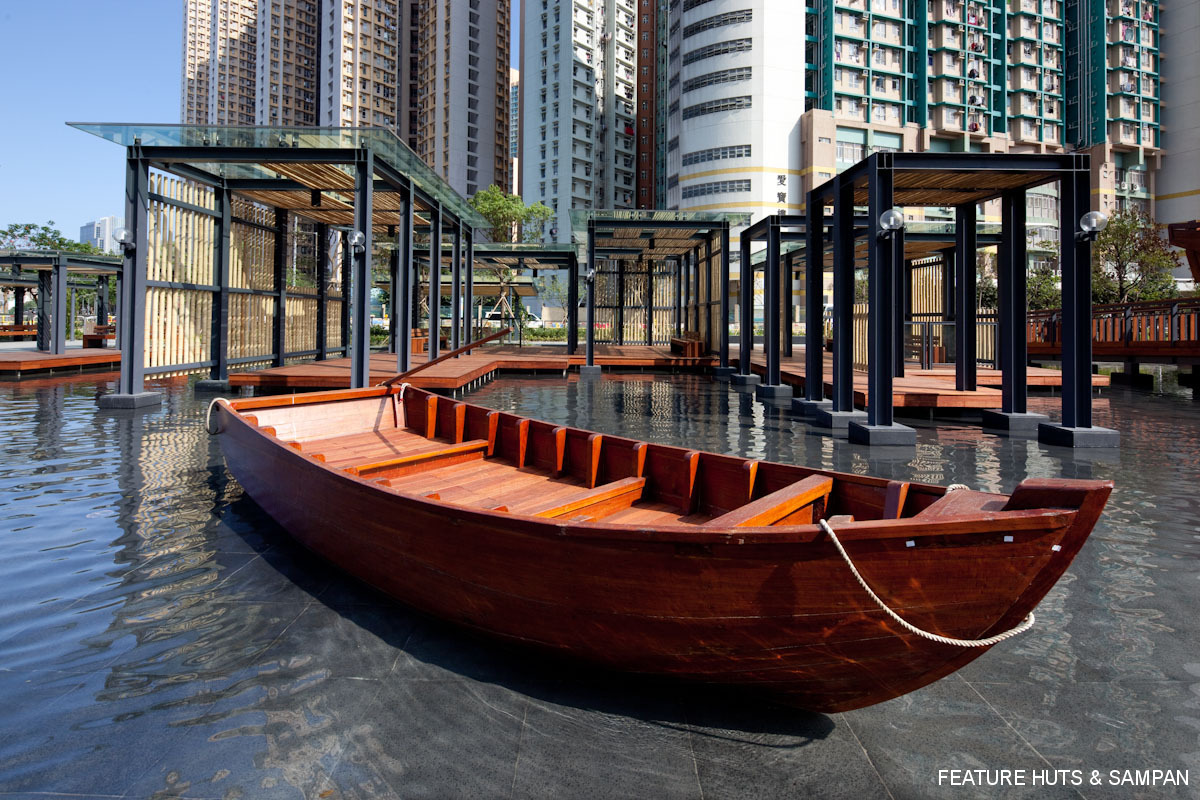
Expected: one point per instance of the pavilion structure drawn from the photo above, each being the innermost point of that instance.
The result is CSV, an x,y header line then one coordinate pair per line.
x,y
53,273
218,274
676,266
835,232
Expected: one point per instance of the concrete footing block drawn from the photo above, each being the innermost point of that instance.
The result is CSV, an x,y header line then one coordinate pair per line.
x,y
780,391
809,408
211,386
126,401
591,372
1013,422
838,420
1061,435
741,379
881,435
724,374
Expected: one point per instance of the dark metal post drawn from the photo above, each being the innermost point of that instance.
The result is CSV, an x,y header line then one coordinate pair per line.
x,y
620,337
18,302
101,299
591,295
685,278
706,325
393,309
723,285
45,311
322,291
696,288
649,268
279,324
58,314
456,255
131,317
364,196
679,281
222,236
1011,265
408,275
469,300
1076,429
814,308
902,269
435,282
572,304
746,309
881,286
789,307
771,321
947,268
964,298
843,297
347,293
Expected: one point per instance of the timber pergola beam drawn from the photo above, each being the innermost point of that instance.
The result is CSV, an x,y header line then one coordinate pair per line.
x,y
689,242
963,181
52,269
353,184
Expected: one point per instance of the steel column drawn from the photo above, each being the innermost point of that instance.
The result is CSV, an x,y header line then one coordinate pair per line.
x,y
222,236
723,285
880,313
649,268
814,308
746,309
843,297
620,303
965,249
903,272
1075,263
435,282
591,294
364,196
101,299
408,274
393,306
1011,282
771,321
789,308
131,319
279,264
947,269
679,281
696,288
707,283
45,311
573,305
322,291
469,300
456,254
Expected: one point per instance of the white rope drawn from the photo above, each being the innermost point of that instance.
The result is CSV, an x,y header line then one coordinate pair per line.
x,y
1023,626
208,417
403,388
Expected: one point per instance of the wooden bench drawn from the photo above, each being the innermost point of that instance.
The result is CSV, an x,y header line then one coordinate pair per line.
x,y
100,336
688,345
800,503
18,331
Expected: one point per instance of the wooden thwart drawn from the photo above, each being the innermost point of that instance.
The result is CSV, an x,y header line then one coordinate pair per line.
x,y
799,503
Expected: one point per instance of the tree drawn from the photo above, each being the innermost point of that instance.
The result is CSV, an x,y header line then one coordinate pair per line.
x,y
510,218
1132,261
31,236
556,292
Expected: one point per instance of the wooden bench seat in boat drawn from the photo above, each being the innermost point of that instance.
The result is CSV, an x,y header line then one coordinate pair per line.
x,y
800,503
962,501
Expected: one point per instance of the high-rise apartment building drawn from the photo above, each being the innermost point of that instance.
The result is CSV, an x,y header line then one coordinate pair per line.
x,y
233,48
514,128
287,63
193,90
463,92
100,233
736,93
578,99
650,124
1177,189
355,63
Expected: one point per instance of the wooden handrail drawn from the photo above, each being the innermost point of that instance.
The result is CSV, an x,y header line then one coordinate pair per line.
x,y
466,348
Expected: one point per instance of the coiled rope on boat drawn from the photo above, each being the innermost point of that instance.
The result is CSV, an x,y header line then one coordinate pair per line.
x,y
208,417
1021,627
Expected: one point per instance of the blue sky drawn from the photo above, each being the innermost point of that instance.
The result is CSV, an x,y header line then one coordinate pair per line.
x,y
89,61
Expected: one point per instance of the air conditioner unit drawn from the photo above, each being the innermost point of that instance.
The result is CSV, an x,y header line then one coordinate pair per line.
x,y
975,100
1121,184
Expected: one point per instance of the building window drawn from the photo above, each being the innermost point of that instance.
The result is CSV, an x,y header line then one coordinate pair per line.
x,y
718,21
721,76
717,49
716,187
715,154
716,106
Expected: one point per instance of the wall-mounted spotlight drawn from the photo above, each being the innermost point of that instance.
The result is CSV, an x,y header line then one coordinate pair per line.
x,y
591,276
1090,225
890,221
124,237
357,240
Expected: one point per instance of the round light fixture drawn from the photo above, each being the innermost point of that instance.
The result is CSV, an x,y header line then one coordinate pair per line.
x,y
357,240
891,220
123,237
1093,222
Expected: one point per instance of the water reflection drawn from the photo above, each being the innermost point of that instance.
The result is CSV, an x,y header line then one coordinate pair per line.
x,y
143,600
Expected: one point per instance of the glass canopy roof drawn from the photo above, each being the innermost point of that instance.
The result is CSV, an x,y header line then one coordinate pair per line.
x,y
382,142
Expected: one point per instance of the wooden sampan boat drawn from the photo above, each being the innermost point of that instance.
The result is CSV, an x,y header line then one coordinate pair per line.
x,y
649,558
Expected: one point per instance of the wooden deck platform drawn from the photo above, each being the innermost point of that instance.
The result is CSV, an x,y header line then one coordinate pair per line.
x,y
456,373
932,388
919,388
15,363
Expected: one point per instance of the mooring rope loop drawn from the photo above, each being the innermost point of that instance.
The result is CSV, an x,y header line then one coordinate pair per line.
x,y
403,388
208,417
1021,627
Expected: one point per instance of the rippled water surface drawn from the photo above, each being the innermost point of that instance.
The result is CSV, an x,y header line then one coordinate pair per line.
x,y
159,636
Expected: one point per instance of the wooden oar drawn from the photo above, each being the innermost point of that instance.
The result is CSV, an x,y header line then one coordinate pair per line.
x,y
465,348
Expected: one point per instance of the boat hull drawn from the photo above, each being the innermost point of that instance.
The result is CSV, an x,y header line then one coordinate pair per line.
x,y
776,609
